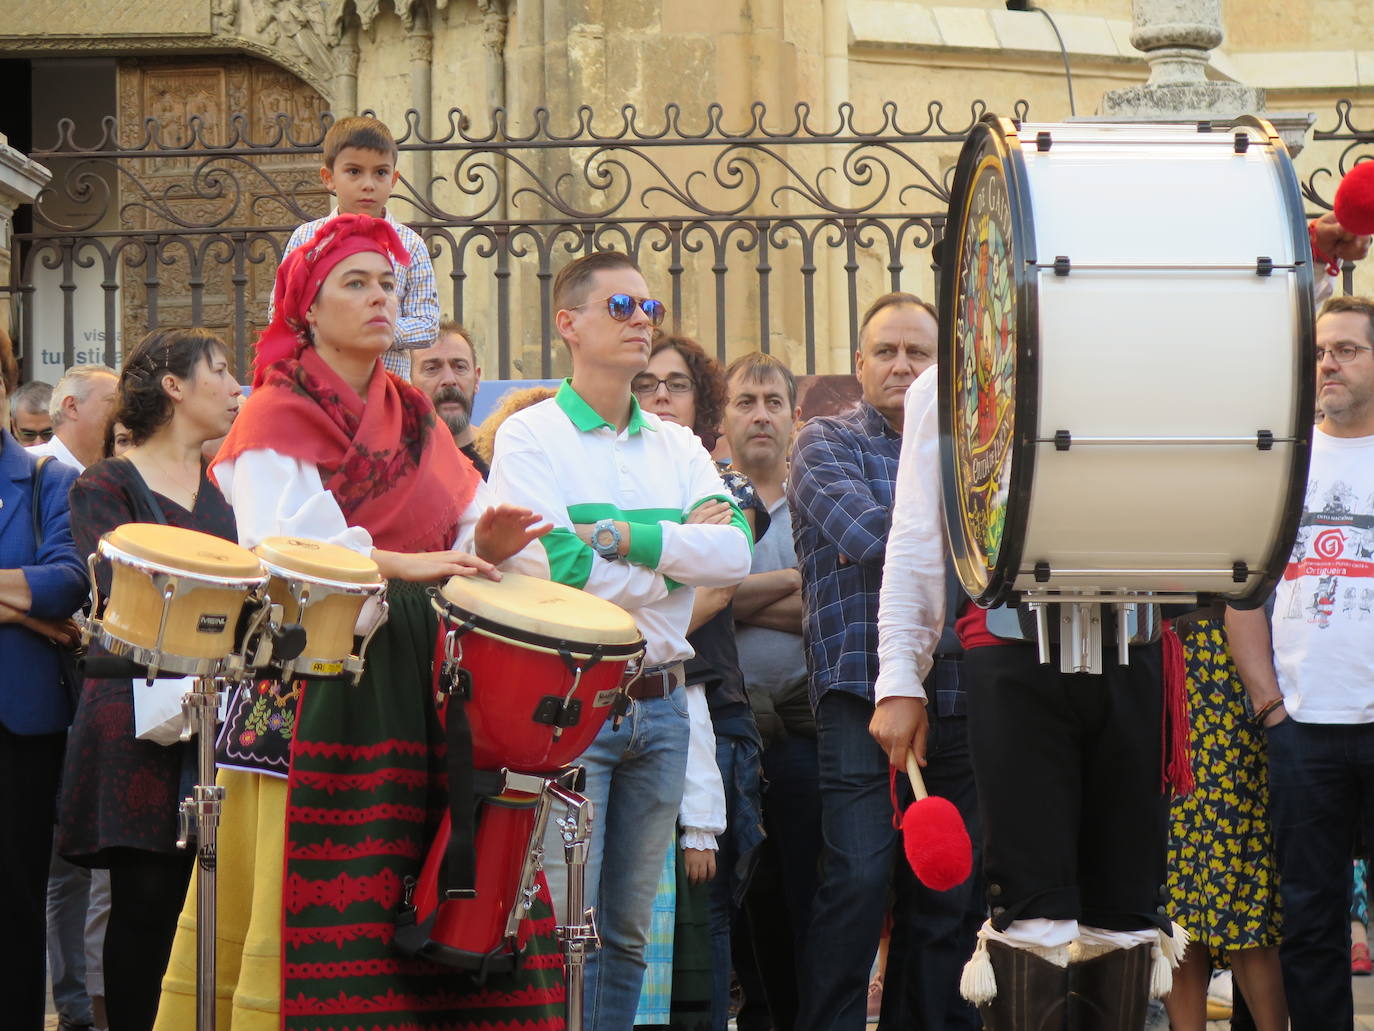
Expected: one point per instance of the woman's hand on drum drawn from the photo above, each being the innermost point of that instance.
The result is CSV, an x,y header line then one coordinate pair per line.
x,y
712,513
504,530
422,567
700,863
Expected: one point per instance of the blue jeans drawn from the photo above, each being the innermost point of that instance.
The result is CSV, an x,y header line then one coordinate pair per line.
x,y
634,780
1321,792
933,932
738,759
68,891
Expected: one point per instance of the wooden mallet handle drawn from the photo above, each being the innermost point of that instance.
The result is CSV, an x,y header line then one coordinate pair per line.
x,y
913,772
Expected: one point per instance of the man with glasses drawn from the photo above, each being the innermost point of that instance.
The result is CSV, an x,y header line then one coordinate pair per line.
x,y
640,518
29,419
1310,678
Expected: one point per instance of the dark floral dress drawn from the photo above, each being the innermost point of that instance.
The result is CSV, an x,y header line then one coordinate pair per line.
x,y
1223,882
117,791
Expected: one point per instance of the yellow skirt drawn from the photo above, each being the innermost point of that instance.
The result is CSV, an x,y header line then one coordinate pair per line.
x,y
248,953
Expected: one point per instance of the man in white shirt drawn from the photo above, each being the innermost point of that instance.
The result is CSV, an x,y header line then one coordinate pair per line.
x,y
1068,774
1310,679
81,408
640,517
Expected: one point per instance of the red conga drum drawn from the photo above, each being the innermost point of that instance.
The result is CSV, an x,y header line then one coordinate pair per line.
x,y
541,665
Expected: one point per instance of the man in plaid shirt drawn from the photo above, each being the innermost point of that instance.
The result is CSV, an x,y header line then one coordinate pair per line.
x,y
360,170
840,490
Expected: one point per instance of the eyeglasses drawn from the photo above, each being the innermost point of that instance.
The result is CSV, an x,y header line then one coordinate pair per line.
x,y
27,437
622,306
1342,352
646,384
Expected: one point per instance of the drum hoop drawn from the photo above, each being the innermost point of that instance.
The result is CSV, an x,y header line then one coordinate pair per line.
x,y
114,554
1027,390
330,586
465,620
164,661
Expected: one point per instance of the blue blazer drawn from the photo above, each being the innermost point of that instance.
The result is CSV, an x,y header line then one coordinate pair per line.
x,y
31,697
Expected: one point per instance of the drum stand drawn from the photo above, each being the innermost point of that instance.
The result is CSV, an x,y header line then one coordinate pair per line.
x,y
202,811
576,939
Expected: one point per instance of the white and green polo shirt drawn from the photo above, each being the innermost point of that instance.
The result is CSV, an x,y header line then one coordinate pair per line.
x,y
565,462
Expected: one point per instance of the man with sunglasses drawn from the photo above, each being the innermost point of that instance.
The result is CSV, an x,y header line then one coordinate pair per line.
x,y
1310,677
29,419
640,518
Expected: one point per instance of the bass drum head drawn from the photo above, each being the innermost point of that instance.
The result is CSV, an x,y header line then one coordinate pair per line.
x,y
985,363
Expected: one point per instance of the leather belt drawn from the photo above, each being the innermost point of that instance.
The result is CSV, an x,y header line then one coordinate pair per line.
x,y
655,682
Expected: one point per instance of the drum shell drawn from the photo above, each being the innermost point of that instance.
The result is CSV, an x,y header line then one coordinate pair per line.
x,y
510,680
328,620
201,622
470,933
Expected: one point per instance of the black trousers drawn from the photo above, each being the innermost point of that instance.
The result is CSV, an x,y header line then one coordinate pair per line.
x,y
147,891
1068,774
29,769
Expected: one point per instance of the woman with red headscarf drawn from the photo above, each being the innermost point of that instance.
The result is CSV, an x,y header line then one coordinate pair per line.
x,y
312,859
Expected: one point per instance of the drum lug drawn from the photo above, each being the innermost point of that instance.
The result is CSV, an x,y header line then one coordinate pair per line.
x,y
620,708
557,712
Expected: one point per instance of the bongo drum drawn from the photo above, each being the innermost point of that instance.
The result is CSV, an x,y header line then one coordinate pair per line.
x,y
541,665
175,597
323,587
1125,362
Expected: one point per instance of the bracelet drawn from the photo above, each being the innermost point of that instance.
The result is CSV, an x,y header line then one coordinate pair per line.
x,y
1258,718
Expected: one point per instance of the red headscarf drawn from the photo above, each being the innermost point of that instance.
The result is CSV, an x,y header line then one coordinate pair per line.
x,y
380,456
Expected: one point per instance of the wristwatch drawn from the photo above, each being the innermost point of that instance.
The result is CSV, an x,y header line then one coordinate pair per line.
x,y
606,538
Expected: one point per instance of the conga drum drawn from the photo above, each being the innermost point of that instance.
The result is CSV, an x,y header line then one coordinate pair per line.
x,y
323,587
175,596
1125,362
542,665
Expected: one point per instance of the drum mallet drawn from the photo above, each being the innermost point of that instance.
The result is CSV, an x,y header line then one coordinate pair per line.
x,y
934,836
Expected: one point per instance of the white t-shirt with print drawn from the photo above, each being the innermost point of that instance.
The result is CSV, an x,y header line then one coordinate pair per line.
x,y
1324,605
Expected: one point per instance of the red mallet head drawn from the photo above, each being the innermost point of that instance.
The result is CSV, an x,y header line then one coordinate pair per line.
x,y
937,843
1354,205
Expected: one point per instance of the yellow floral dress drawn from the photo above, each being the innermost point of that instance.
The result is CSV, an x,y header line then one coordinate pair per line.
x,y
1223,884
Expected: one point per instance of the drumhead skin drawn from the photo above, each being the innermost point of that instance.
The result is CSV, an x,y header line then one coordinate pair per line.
x,y
986,307
318,559
1126,385
530,606
184,549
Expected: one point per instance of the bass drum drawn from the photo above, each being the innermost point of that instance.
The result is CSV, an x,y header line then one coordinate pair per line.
x,y
1126,372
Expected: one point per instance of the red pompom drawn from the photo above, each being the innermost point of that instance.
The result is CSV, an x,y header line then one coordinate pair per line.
x,y
1354,207
937,843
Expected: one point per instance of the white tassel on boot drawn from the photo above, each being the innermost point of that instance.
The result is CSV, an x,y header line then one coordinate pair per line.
x,y
977,983
1167,954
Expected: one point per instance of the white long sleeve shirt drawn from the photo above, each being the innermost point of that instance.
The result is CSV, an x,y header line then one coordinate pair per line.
x,y
911,604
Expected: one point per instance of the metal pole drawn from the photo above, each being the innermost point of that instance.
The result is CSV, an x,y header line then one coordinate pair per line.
x,y
580,938
201,707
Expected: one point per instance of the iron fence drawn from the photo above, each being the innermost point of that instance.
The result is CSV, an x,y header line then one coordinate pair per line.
x,y
761,233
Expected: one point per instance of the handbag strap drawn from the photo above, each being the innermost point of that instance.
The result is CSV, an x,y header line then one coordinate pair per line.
x,y
146,508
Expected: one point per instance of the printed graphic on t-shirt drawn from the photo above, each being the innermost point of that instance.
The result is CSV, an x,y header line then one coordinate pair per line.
x,y
1333,557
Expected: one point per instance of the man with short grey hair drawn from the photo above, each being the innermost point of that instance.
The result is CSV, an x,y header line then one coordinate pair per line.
x,y
81,408
29,419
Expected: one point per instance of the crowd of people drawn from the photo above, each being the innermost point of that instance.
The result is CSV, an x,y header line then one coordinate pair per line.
x,y
804,631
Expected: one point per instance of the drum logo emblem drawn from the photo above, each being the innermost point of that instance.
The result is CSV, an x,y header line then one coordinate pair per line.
x,y
985,353
211,624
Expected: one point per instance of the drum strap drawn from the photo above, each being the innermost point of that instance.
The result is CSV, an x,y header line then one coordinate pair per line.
x,y
460,862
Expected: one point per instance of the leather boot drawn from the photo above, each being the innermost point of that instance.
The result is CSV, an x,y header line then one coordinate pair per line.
x,y
1110,992
1031,992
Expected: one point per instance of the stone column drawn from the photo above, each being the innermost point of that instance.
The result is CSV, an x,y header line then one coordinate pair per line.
x,y
421,44
1177,37
20,180
346,72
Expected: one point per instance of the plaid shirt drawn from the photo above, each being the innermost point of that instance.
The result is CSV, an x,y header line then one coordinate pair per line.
x,y
839,487
417,323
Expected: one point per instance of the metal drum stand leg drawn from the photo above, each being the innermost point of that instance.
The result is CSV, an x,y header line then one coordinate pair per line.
x,y
201,811
581,938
